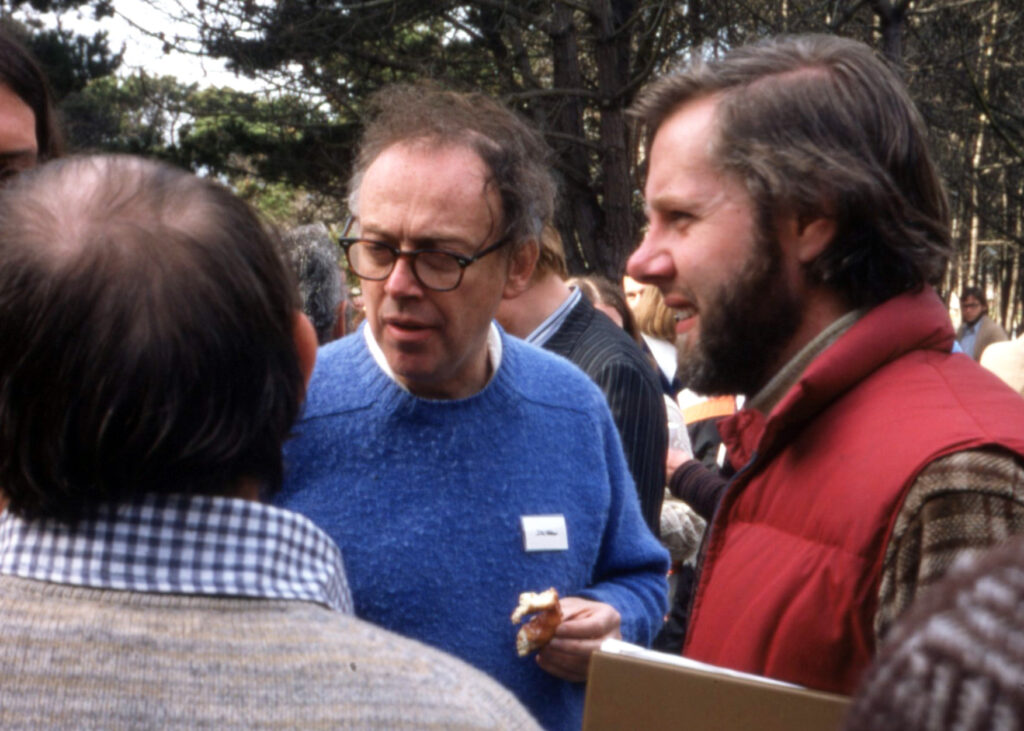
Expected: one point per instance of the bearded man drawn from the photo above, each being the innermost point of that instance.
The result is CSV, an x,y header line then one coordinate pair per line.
x,y
797,224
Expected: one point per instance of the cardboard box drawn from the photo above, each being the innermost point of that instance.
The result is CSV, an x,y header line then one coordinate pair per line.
x,y
632,688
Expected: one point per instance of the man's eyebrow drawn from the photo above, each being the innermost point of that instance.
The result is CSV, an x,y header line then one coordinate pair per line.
x,y
428,241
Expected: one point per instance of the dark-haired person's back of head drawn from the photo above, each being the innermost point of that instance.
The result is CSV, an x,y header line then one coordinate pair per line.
x,y
153,364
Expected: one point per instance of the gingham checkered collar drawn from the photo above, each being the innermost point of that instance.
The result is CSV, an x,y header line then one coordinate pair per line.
x,y
173,544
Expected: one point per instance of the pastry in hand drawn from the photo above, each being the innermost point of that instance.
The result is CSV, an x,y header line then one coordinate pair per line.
x,y
547,615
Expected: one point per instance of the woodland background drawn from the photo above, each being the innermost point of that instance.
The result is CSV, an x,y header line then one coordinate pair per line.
x,y
573,66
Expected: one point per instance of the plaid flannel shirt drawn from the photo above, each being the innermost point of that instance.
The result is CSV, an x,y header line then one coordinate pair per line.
x,y
176,544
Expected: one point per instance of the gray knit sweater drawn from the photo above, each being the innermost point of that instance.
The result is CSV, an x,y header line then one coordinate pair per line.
x,y
86,658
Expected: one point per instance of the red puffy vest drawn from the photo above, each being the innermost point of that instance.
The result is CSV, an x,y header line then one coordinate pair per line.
x,y
790,578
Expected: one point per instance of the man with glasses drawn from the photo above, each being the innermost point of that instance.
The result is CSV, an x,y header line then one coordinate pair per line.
x,y
455,466
978,330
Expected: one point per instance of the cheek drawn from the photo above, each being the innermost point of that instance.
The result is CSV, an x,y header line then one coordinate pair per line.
x,y
373,293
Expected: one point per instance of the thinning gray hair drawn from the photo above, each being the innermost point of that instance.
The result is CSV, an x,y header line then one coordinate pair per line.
x,y
314,259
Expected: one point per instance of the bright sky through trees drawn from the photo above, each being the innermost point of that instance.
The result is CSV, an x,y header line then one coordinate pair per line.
x,y
134,24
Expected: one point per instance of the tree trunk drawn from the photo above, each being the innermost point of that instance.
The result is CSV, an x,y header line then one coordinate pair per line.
x,y
984,67
612,56
579,218
892,18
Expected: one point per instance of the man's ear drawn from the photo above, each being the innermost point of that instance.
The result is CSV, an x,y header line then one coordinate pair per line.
x,y
521,264
806,239
305,344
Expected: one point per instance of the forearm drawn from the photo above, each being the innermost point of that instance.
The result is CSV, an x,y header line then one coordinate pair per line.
x,y
959,504
698,487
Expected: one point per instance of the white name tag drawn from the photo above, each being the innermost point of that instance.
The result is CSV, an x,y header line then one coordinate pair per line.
x,y
545,533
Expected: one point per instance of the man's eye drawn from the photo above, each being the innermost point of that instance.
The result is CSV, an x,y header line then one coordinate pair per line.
x,y
439,262
377,253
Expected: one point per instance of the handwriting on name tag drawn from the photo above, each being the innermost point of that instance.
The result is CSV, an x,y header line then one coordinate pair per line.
x,y
545,533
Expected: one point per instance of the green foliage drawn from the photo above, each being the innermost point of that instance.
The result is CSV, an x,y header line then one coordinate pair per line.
x,y
268,149
571,67
72,61
139,115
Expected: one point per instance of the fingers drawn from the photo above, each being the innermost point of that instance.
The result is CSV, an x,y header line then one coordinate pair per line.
x,y
585,626
588,627
584,619
567,659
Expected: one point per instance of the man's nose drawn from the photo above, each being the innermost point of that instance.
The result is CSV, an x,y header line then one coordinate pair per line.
x,y
402,281
650,263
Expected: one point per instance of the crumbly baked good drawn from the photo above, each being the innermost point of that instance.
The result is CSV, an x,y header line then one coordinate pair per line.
x,y
547,615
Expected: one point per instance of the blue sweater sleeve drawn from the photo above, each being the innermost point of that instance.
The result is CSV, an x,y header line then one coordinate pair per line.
x,y
630,574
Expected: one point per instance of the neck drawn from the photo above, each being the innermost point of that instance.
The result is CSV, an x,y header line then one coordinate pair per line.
x,y
821,308
247,489
521,316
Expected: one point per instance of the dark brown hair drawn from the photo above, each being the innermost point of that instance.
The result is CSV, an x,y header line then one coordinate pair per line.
x,y
146,317
819,126
977,293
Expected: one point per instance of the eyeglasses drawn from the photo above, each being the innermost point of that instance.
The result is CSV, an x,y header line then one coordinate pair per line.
x,y
435,269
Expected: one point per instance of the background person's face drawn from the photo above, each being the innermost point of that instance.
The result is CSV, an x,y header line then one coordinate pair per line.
x,y
971,310
414,196
18,147
632,289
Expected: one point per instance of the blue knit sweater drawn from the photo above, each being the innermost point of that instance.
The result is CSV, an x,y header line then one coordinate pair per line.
x,y
425,499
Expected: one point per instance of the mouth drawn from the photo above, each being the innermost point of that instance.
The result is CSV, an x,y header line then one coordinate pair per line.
x,y
684,313
406,330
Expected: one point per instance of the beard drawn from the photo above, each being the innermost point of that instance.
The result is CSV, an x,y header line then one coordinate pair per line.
x,y
744,327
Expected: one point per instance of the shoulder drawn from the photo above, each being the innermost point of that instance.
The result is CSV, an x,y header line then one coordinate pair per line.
x,y
959,504
429,680
991,330
600,346
345,377
543,377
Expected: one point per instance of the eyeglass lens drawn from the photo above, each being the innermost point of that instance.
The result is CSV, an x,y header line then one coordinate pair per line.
x,y
434,269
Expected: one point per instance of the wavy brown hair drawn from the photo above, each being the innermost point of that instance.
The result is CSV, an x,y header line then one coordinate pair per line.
x,y
20,72
819,126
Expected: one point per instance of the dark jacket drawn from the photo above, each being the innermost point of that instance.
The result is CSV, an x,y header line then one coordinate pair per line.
x,y
614,361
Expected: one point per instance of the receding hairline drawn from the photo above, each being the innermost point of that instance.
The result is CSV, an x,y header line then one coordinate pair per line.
x,y
436,144
430,142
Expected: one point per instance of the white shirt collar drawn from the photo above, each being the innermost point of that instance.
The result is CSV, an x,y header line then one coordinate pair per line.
x,y
493,353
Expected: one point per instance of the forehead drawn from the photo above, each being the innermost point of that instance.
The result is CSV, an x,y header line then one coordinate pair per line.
x,y
681,166
437,188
